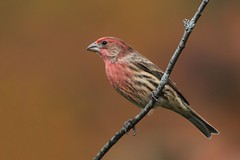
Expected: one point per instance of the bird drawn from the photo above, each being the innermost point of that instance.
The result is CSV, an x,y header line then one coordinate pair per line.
x,y
135,77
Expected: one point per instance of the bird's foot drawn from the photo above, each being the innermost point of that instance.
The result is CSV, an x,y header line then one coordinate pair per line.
x,y
154,96
129,124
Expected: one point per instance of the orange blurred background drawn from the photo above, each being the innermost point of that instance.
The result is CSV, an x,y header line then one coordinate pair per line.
x,y
56,103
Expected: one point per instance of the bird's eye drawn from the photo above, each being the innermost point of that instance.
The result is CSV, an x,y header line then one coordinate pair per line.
x,y
104,42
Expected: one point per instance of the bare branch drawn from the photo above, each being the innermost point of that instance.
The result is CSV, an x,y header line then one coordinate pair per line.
x,y
189,25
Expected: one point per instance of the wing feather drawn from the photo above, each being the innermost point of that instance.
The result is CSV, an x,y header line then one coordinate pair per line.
x,y
149,67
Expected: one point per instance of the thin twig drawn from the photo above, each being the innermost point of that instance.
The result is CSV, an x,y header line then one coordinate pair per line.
x,y
189,25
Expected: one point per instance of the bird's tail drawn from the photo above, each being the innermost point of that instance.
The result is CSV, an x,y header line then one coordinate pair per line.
x,y
201,124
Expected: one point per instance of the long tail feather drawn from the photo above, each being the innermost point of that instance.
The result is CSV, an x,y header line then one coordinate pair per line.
x,y
201,124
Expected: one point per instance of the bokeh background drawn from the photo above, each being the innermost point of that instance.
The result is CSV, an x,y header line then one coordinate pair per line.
x,y
56,103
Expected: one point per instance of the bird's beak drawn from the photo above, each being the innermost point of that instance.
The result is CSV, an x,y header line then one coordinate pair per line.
x,y
93,47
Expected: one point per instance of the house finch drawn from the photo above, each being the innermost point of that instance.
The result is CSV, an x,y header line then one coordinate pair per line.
x,y
135,78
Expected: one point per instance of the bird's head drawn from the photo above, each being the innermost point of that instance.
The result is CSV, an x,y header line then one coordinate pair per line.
x,y
109,48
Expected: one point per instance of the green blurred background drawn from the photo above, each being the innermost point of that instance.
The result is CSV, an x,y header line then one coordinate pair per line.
x,y
56,103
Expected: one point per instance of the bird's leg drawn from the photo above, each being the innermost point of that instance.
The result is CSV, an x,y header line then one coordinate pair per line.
x,y
128,124
154,96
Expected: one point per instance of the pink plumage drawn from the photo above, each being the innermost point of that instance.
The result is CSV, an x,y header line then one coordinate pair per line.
x,y
135,77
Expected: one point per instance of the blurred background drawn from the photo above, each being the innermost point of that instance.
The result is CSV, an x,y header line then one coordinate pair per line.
x,y
56,103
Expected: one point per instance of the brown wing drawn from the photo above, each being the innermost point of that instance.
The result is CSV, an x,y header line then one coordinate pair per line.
x,y
149,67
